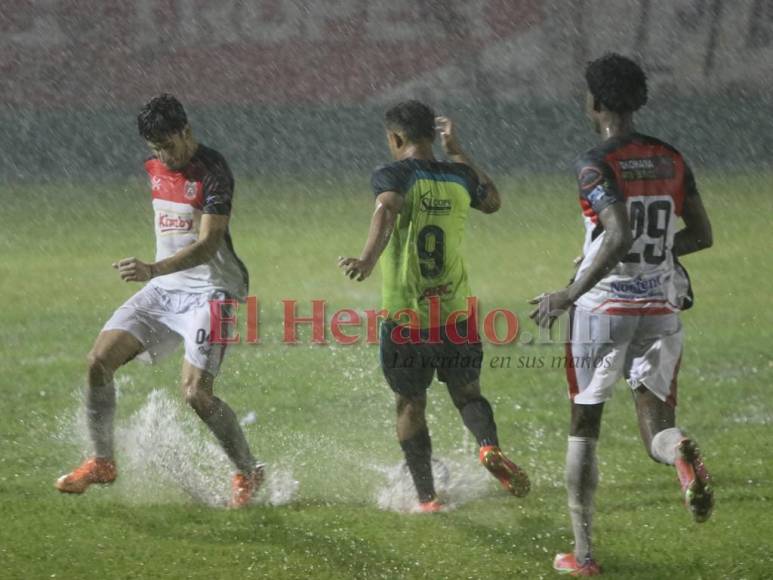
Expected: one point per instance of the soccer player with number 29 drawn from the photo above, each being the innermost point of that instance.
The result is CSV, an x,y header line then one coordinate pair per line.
x,y
626,295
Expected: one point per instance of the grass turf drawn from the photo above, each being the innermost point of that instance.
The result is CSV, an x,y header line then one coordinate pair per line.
x,y
326,412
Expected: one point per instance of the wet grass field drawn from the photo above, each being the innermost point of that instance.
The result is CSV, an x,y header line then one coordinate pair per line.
x,y
323,414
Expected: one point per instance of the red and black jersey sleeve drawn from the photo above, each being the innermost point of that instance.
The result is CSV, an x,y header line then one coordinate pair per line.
x,y
597,184
690,187
218,184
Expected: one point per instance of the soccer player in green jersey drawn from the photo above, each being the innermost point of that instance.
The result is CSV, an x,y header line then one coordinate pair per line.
x,y
418,225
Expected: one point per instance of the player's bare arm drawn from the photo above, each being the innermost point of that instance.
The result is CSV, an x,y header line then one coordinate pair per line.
x,y
382,223
696,234
211,233
451,147
617,242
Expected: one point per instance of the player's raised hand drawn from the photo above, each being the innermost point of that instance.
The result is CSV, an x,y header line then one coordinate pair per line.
x,y
445,128
550,305
133,270
354,268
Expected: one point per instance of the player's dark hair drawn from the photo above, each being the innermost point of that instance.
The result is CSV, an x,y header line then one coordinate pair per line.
x,y
161,117
617,82
414,119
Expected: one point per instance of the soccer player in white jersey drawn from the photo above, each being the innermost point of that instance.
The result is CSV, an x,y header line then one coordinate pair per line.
x,y
626,295
192,190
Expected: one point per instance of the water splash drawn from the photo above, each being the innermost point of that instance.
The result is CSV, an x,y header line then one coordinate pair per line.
x,y
165,455
457,482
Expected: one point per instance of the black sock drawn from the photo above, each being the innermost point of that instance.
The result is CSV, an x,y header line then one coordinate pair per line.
x,y
100,411
478,417
418,455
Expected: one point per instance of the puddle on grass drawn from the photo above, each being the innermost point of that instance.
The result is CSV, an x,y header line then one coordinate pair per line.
x,y
457,481
165,454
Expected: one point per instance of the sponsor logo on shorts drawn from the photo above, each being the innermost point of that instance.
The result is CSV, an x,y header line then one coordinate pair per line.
x,y
170,222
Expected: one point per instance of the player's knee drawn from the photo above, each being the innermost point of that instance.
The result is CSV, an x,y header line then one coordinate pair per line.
x,y
586,420
585,430
463,395
462,399
411,406
199,399
98,368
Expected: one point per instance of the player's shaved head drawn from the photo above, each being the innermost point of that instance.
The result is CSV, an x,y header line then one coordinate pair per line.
x,y
617,83
413,119
161,117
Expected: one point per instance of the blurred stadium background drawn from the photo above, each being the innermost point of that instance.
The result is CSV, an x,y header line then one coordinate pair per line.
x,y
289,85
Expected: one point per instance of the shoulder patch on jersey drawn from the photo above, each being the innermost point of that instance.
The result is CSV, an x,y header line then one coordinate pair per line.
x,y
190,190
597,194
590,176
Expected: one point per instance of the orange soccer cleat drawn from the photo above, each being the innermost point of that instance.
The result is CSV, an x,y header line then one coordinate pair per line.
x,y
512,477
695,480
568,564
94,470
244,486
432,506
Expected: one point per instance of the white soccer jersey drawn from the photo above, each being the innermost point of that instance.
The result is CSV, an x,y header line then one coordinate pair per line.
x,y
652,179
205,185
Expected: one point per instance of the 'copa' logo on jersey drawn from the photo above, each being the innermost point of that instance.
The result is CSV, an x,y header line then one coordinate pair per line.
x,y
190,189
435,206
155,183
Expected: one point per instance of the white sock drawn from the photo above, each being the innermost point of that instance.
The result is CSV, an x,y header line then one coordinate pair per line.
x,y
664,444
582,476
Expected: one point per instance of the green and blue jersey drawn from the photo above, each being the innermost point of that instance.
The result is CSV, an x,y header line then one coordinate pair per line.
x,y
423,257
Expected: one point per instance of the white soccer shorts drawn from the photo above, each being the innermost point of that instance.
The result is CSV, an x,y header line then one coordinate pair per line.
x,y
645,350
162,319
